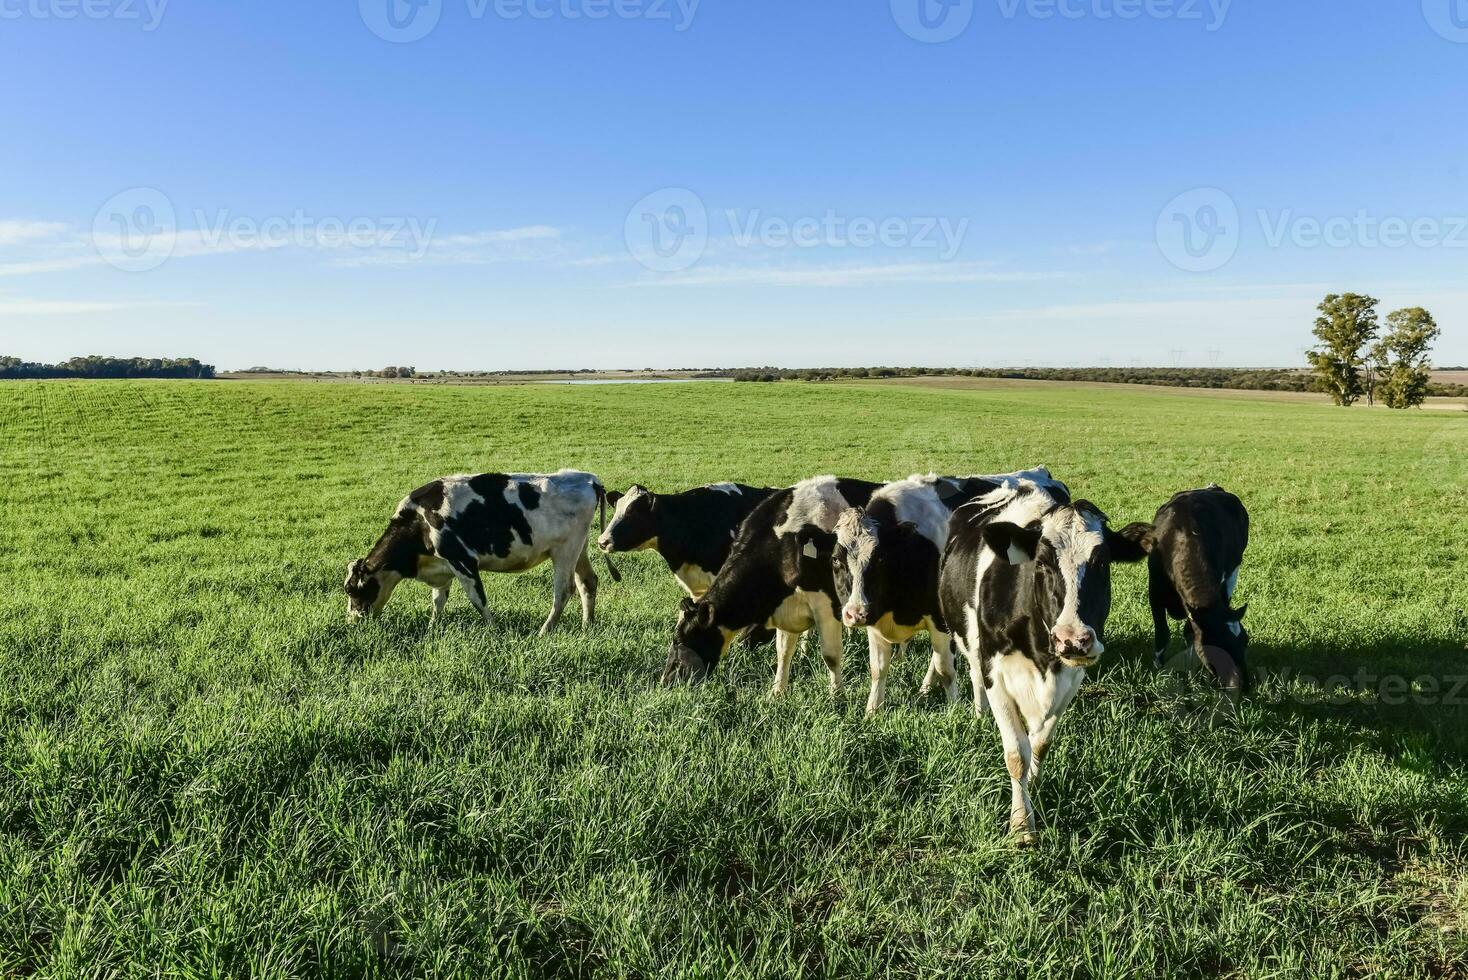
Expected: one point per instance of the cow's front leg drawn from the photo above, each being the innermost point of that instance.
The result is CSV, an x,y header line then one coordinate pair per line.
x,y
1019,761
564,570
440,599
940,668
1040,746
1161,630
473,587
881,656
830,628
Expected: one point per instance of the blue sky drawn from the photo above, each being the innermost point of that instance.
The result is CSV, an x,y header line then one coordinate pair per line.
x,y
664,183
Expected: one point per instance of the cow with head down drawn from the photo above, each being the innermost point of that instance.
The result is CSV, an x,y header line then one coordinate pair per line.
x,y
885,566
778,574
1025,583
454,528
1195,546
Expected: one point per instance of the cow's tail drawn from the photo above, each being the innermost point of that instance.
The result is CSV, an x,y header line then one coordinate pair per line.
x,y
601,501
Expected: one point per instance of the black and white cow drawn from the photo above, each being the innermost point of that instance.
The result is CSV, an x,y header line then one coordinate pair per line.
x,y
777,574
1026,586
693,531
885,566
452,529
1195,546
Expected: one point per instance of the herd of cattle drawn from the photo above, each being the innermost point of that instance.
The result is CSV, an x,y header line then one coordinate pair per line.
x,y
1008,568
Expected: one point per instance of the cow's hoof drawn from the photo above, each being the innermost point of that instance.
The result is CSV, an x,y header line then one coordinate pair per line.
x,y
1026,839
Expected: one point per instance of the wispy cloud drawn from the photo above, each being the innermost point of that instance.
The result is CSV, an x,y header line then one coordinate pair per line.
x,y
528,244
39,247
884,274
16,232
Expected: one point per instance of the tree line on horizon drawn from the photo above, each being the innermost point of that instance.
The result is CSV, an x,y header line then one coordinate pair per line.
x,y
98,366
1234,379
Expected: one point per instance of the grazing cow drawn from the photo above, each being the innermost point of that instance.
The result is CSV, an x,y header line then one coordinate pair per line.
x,y
452,529
886,569
692,531
1026,585
777,574
1195,546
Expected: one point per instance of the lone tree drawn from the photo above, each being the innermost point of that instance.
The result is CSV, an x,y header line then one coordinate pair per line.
x,y
1347,323
1403,357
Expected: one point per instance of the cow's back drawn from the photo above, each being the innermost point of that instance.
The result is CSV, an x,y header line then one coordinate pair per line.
x,y
1201,536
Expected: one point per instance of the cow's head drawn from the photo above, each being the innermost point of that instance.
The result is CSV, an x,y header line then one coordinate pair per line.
x,y
368,590
1221,630
862,566
1063,566
632,527
697,645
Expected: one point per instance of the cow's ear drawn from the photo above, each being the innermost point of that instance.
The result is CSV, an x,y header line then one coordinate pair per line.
x,y
1015,544
687,607
704,618
613,496
1238,615
906,529
1133,542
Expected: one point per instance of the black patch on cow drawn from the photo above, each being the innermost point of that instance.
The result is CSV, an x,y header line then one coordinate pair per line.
x,y
486,525
429,496
529,496
400,546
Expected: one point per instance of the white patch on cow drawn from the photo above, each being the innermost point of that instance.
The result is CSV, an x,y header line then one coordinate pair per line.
x,y
695,580
857,533
1037,695
810,550
1075,535
816,502
730,488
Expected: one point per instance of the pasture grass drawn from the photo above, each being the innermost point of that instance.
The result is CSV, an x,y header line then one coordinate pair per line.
x,y
207,772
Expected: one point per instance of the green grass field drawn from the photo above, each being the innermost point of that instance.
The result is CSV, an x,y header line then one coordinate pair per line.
x,y
207,772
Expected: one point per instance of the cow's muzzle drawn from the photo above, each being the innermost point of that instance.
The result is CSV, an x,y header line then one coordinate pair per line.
x,y
855,614
1077,645
684,666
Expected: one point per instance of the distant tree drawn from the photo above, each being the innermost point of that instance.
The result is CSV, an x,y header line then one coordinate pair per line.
x,y
1404,357
1347,323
